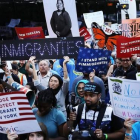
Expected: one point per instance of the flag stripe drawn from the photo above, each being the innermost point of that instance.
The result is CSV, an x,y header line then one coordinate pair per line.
x,y
23,103
11,93
18,98
24,114
25,108
17,120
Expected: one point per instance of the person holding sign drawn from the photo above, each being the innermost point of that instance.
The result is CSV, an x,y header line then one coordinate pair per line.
x,y
60,21
95,117
132,130
43,135
59,86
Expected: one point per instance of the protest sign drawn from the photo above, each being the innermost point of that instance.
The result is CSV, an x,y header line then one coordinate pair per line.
x,y
84,32
138,76
14,22
104,36
89,59
30,33
131,27
116,27
128,11
97,17
66,23
125,97
16,114
50,48
126,47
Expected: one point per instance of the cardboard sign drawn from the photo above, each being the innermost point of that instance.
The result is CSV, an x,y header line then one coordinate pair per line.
x,y
89,59
125,97
131,27
16,114
97,17
41,48
84,32
30,33
126,47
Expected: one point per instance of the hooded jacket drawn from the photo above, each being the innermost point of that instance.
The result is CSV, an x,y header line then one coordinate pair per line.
x,y
77,95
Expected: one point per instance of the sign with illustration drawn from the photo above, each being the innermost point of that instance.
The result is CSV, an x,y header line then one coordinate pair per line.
x,y
104,36
16,114
125,97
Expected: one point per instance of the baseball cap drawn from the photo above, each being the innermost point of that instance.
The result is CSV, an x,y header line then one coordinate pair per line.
x,y
92,87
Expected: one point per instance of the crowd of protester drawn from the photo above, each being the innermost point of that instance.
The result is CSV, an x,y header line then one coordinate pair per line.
x,y
70,104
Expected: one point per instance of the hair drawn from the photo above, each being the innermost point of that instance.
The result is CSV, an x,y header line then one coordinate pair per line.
x,y
60,83
121,58
51,62
32,87
47,96
15,67
43,132
63,5
46,61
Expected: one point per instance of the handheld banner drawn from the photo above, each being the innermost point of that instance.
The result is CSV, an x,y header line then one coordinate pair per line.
x,y
17,87
94,17
125,97
131,27
126,47
16,114
104,36
89,59
30,33
50,48
84,32
61,18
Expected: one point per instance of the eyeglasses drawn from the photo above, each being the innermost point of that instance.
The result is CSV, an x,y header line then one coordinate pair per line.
x,y
80,88
125,60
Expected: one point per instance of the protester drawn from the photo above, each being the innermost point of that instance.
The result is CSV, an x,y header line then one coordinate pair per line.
x,y
86,116
42,135
22,77
59,86
47,113
132,130
96,79
127,70
4,75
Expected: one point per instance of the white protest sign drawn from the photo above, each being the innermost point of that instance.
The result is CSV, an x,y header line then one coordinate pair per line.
x,y
125,97
138,76
131,10
116,27
97,17
16,114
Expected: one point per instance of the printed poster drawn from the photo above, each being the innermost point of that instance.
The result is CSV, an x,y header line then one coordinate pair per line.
x,y
89,59
30,33
61,18
16,114
131,27
125,98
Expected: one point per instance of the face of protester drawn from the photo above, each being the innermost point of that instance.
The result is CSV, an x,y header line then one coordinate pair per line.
x,y
53,83
5,68
15,72
60,5
43,67
22,62
80,89
118,63
126,62
35,136
44,108
91,99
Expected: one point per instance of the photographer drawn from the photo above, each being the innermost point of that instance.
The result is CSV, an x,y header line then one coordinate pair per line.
x,y
94,117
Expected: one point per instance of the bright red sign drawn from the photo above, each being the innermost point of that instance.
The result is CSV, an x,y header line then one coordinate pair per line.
x,y
30,32
126,47
84,32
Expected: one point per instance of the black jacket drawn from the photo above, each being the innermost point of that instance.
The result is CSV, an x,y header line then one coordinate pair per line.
x,y
130,73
